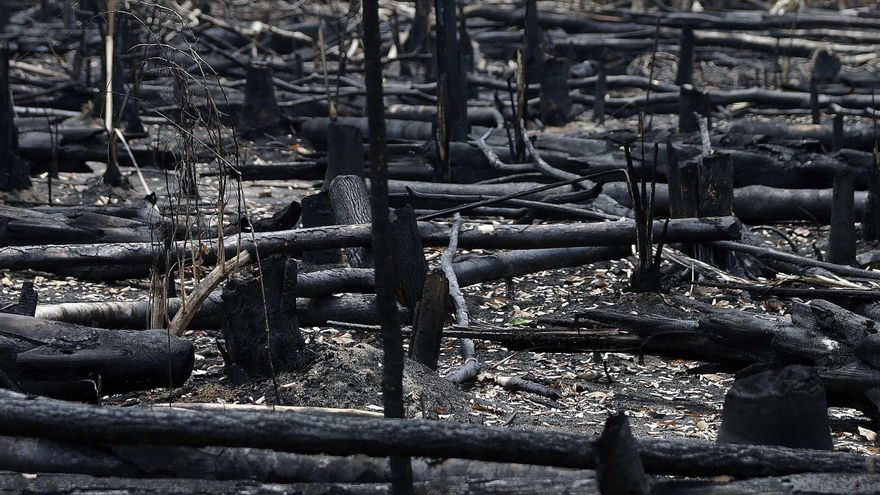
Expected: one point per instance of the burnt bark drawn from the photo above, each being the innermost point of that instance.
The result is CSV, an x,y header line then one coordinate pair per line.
x,y
260,319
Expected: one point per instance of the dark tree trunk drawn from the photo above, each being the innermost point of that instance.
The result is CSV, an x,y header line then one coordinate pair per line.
x,y
14,172
317,211
260,109
842,240
345,152
260,319
428,320
410,266
350,201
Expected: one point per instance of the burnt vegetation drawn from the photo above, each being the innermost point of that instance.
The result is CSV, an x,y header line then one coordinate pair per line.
x,y
336,246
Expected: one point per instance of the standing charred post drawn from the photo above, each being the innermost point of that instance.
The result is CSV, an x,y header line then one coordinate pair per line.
x,y
685,72
837,132
533,53
871,216
112,176
599,92
555,107
410,265
688,106
386,304
673,178
318,212
13,171
260,109
345,152
428,321
842,241
452,122
715,195
824,67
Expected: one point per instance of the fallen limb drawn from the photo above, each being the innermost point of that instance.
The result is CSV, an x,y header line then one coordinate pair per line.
x,y
472,236
309,434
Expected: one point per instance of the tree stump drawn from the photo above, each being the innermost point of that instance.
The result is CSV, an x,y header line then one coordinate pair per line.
x,y
252,339
772,406
260,109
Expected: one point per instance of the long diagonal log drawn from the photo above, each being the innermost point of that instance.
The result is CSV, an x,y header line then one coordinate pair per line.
x,y
310,434
472,236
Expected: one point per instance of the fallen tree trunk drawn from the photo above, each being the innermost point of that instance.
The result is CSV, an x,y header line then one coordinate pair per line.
x,y
33,455
319,284
308,434
52,355
472,236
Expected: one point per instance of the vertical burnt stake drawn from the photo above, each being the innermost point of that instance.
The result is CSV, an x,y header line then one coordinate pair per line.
x,y
716,186
688,105
619,467
689,185
466,58
871,216
676,206
555,107
317,212
842,242
345,152
14,173
715,193
386,304
417,40
410,265
814,100
428,319
599,93
837,134
685,72
452,101
351,205
260,109
533,52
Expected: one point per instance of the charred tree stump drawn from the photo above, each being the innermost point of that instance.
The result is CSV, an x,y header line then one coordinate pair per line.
x,y
685,72
262,335
345,152
842,241
14,173
428,320
317,211
688,105
410,265
761,405
351,205
260,109
715,193
619,468
871,215
716,185
555,107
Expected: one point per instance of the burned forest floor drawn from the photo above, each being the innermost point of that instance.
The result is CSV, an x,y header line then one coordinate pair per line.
x,y
661,397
